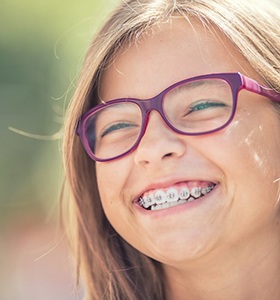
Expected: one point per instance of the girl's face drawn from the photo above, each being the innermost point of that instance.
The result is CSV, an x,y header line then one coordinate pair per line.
x,y
240,162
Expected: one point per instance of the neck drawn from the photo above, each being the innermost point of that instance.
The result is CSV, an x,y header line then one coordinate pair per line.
x,y
240,272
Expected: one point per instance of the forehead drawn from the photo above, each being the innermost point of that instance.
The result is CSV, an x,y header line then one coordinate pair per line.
x,y
167,53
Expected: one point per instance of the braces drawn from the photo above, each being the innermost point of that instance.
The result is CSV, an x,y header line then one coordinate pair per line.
x,y
199,192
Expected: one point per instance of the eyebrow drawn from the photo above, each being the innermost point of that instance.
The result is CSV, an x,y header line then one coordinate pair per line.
x,y
197,83
205,82
175,90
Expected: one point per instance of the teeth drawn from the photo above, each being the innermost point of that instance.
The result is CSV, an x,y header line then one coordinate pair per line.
x,y
184,193
160,199
191,199
181,201
142,202
172,195
196,192
148,201
167,205
207,190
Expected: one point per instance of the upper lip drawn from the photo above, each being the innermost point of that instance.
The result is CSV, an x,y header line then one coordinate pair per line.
x,y
168,183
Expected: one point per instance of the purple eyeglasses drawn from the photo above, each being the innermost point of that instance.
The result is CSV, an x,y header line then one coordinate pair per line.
x,y
194,106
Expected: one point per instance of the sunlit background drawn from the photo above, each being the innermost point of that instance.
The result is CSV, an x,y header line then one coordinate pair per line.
x,y
42,45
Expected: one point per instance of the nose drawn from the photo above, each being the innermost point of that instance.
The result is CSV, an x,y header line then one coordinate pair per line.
x,y
159,142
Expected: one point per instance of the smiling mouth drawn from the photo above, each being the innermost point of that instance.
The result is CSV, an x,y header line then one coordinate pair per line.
x,y
174,196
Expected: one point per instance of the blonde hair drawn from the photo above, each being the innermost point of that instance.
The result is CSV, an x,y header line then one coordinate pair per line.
x,y
109,266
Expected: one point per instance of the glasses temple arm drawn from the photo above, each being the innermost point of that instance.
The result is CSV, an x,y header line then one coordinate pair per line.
x,y
253,86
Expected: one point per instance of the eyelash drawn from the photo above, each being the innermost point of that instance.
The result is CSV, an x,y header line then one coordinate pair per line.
x,y
114,127
206,104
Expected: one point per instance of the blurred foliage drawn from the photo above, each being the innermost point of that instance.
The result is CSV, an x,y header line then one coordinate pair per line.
x,y
42,45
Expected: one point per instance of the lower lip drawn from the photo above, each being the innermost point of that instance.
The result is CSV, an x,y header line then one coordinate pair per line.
x,y
179,208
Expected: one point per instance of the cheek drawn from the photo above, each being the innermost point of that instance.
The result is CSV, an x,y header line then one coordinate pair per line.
x,y
261,145
251,143
252,166
106,181
262,149
112,179
109,190
247,152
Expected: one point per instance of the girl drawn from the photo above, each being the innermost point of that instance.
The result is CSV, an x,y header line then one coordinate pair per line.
x,y
172,153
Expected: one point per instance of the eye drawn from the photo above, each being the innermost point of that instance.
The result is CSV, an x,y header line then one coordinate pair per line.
x,y
115,127
205,105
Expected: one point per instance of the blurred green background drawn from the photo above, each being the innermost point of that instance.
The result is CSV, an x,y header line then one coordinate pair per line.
x,y
42,45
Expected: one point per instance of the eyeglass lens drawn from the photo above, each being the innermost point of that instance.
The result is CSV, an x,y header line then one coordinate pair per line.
x,y
192,107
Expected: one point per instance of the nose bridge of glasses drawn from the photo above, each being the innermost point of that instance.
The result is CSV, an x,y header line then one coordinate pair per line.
x,y
154,103
149,105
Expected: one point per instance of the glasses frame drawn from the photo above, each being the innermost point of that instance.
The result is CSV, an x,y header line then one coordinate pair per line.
x,y
236,82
